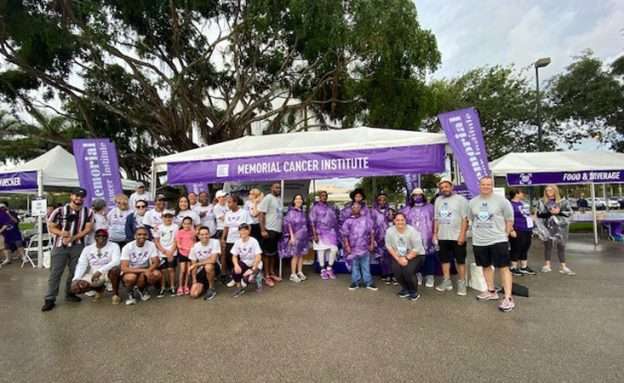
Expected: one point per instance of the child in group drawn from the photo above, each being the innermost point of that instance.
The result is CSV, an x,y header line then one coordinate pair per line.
x,y
204,265
247,259
184,239
164,239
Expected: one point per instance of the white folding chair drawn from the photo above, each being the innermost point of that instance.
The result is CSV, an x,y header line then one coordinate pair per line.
x,y
33,247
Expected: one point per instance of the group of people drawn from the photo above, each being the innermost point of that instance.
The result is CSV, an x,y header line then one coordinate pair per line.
x,y
11,239
183,251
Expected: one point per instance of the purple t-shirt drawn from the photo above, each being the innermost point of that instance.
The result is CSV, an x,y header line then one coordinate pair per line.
x,y
522,217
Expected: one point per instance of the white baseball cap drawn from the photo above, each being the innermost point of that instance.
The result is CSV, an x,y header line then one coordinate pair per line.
x,y
417,191
168,212
220,194
445,179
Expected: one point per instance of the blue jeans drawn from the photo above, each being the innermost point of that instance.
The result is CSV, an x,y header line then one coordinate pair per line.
x,y
360,270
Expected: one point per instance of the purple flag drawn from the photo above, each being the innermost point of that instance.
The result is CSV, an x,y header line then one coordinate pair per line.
x,y
348,163
18,181
580,177
98,169
196,188
463,131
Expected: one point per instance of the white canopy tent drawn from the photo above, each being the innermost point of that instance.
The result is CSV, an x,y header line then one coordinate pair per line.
x,y
571,162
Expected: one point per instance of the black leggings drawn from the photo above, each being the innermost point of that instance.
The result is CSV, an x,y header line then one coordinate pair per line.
x,y
520,246
407,275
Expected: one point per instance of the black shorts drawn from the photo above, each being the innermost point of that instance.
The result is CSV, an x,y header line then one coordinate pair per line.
x,y
269,244
203,278
165,264
182,258
496,255
450,250
256,232
229,264
218,234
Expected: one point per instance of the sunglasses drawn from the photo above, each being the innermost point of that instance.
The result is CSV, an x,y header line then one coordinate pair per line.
x,y
141,206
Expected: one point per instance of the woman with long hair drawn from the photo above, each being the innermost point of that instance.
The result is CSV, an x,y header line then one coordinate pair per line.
x,y
183,210
554,214
251,205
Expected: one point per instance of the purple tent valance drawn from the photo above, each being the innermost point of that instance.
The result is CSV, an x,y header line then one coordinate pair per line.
x,y
348,163
580,177
18,181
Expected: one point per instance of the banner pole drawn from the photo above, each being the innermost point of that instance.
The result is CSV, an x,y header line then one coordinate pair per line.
x,y
153,182
40,221
594,220
282,202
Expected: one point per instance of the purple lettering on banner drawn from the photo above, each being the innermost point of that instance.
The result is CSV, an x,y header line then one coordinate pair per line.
x,y
16,181
348,163
98,169
581,177
463,131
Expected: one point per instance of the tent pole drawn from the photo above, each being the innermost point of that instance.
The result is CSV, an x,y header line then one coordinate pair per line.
x,y
282,202
153,183
604,194
40,221
594,220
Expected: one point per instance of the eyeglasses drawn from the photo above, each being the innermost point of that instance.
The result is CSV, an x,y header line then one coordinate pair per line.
x,y
141,206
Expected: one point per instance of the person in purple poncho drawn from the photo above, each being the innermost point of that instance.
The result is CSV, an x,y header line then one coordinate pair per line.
x,y
295,241
5,224
356,196
420,215
381,216
358,238
324,224
14,241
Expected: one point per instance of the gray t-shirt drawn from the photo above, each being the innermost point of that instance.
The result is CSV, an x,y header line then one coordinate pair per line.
x,y
488,216
404,242
271,206
449,214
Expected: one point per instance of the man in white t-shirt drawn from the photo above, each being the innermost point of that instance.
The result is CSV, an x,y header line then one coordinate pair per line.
x,y
139,267
192,198
220,208
270,218
205,211
98,264
138,195
153,217
247,259
164,239
204,267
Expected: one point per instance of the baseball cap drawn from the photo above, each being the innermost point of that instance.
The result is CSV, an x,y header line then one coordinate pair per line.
x,y
445,179
3,205
220,194
161,197
101,232
168,212
244,226
140,185
80,192
417,191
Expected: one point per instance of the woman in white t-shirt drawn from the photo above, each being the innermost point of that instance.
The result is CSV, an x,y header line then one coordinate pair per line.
x,y
234,217
251,205
203,269
117,220
247,260
184,210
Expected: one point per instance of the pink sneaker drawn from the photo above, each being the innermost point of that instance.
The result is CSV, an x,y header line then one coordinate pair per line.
x,y
487,296
506,305
187,291
330,273
180,291
324,274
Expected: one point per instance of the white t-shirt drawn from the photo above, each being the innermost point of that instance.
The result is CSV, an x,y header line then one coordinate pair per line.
x,y
153,219
219,212
166,235
246,251
200,253
100,222
139,257
186,213
233,220
248,206
136,197
93,259
208,220
117,224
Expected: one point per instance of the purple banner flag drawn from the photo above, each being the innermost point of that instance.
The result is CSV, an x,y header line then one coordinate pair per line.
x,y
18,181
348,163
196,188
98,169
581,177
463,131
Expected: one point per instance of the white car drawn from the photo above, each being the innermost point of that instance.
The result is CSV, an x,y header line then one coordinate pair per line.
x,y
613,203
600,203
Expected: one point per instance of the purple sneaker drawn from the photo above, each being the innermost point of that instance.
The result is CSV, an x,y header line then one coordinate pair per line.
x,y
324,275
330,273
506,305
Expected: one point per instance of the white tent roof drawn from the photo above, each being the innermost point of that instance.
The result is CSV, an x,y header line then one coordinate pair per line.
x,y
59,169
556,162
304,142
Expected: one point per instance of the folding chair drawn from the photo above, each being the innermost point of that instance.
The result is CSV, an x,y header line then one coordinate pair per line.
x,y
33,247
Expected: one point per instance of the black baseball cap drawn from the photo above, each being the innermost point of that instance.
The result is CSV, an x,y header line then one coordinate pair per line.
x,y
244,226
79,192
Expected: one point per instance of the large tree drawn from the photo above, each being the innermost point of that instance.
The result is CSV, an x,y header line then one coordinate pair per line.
x,y
152,74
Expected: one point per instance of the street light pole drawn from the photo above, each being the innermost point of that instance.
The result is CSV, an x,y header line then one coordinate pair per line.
x,y
539,64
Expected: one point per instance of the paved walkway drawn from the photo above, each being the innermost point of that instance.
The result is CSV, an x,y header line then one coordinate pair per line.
x,y
571,329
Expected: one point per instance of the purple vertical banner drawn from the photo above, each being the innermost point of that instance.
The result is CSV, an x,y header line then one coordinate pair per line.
x,y
463,131
98,169
412,181
196,188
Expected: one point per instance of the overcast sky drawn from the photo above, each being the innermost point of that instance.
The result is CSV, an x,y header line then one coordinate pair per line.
x,y
472,33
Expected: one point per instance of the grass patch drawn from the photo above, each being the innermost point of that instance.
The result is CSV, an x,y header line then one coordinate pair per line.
x,y
26,226
581,227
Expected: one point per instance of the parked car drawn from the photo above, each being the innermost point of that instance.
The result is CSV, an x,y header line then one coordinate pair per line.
x,y
600,203
613,203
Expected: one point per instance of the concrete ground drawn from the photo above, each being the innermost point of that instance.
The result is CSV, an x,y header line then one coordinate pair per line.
x,y
571,329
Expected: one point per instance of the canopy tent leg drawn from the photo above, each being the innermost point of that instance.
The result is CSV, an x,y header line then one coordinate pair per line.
x,y
40,221
278,257
604,195
153,183
594,220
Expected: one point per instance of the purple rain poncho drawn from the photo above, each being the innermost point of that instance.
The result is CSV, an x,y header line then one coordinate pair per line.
x,y
296,221
346,212
357,230
325,221
380,216
420,216
12,233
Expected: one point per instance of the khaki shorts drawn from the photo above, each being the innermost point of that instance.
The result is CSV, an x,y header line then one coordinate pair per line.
x,y
89,275
1,242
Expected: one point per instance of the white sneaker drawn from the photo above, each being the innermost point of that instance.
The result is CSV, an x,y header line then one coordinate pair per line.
x,y
131,300
419,278
302,276
231,283
295,278
109,287
546,269
566,271
429,281
90,293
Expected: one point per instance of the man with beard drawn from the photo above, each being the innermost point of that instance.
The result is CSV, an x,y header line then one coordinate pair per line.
x,y
98,264
451,224
69,224
153,218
